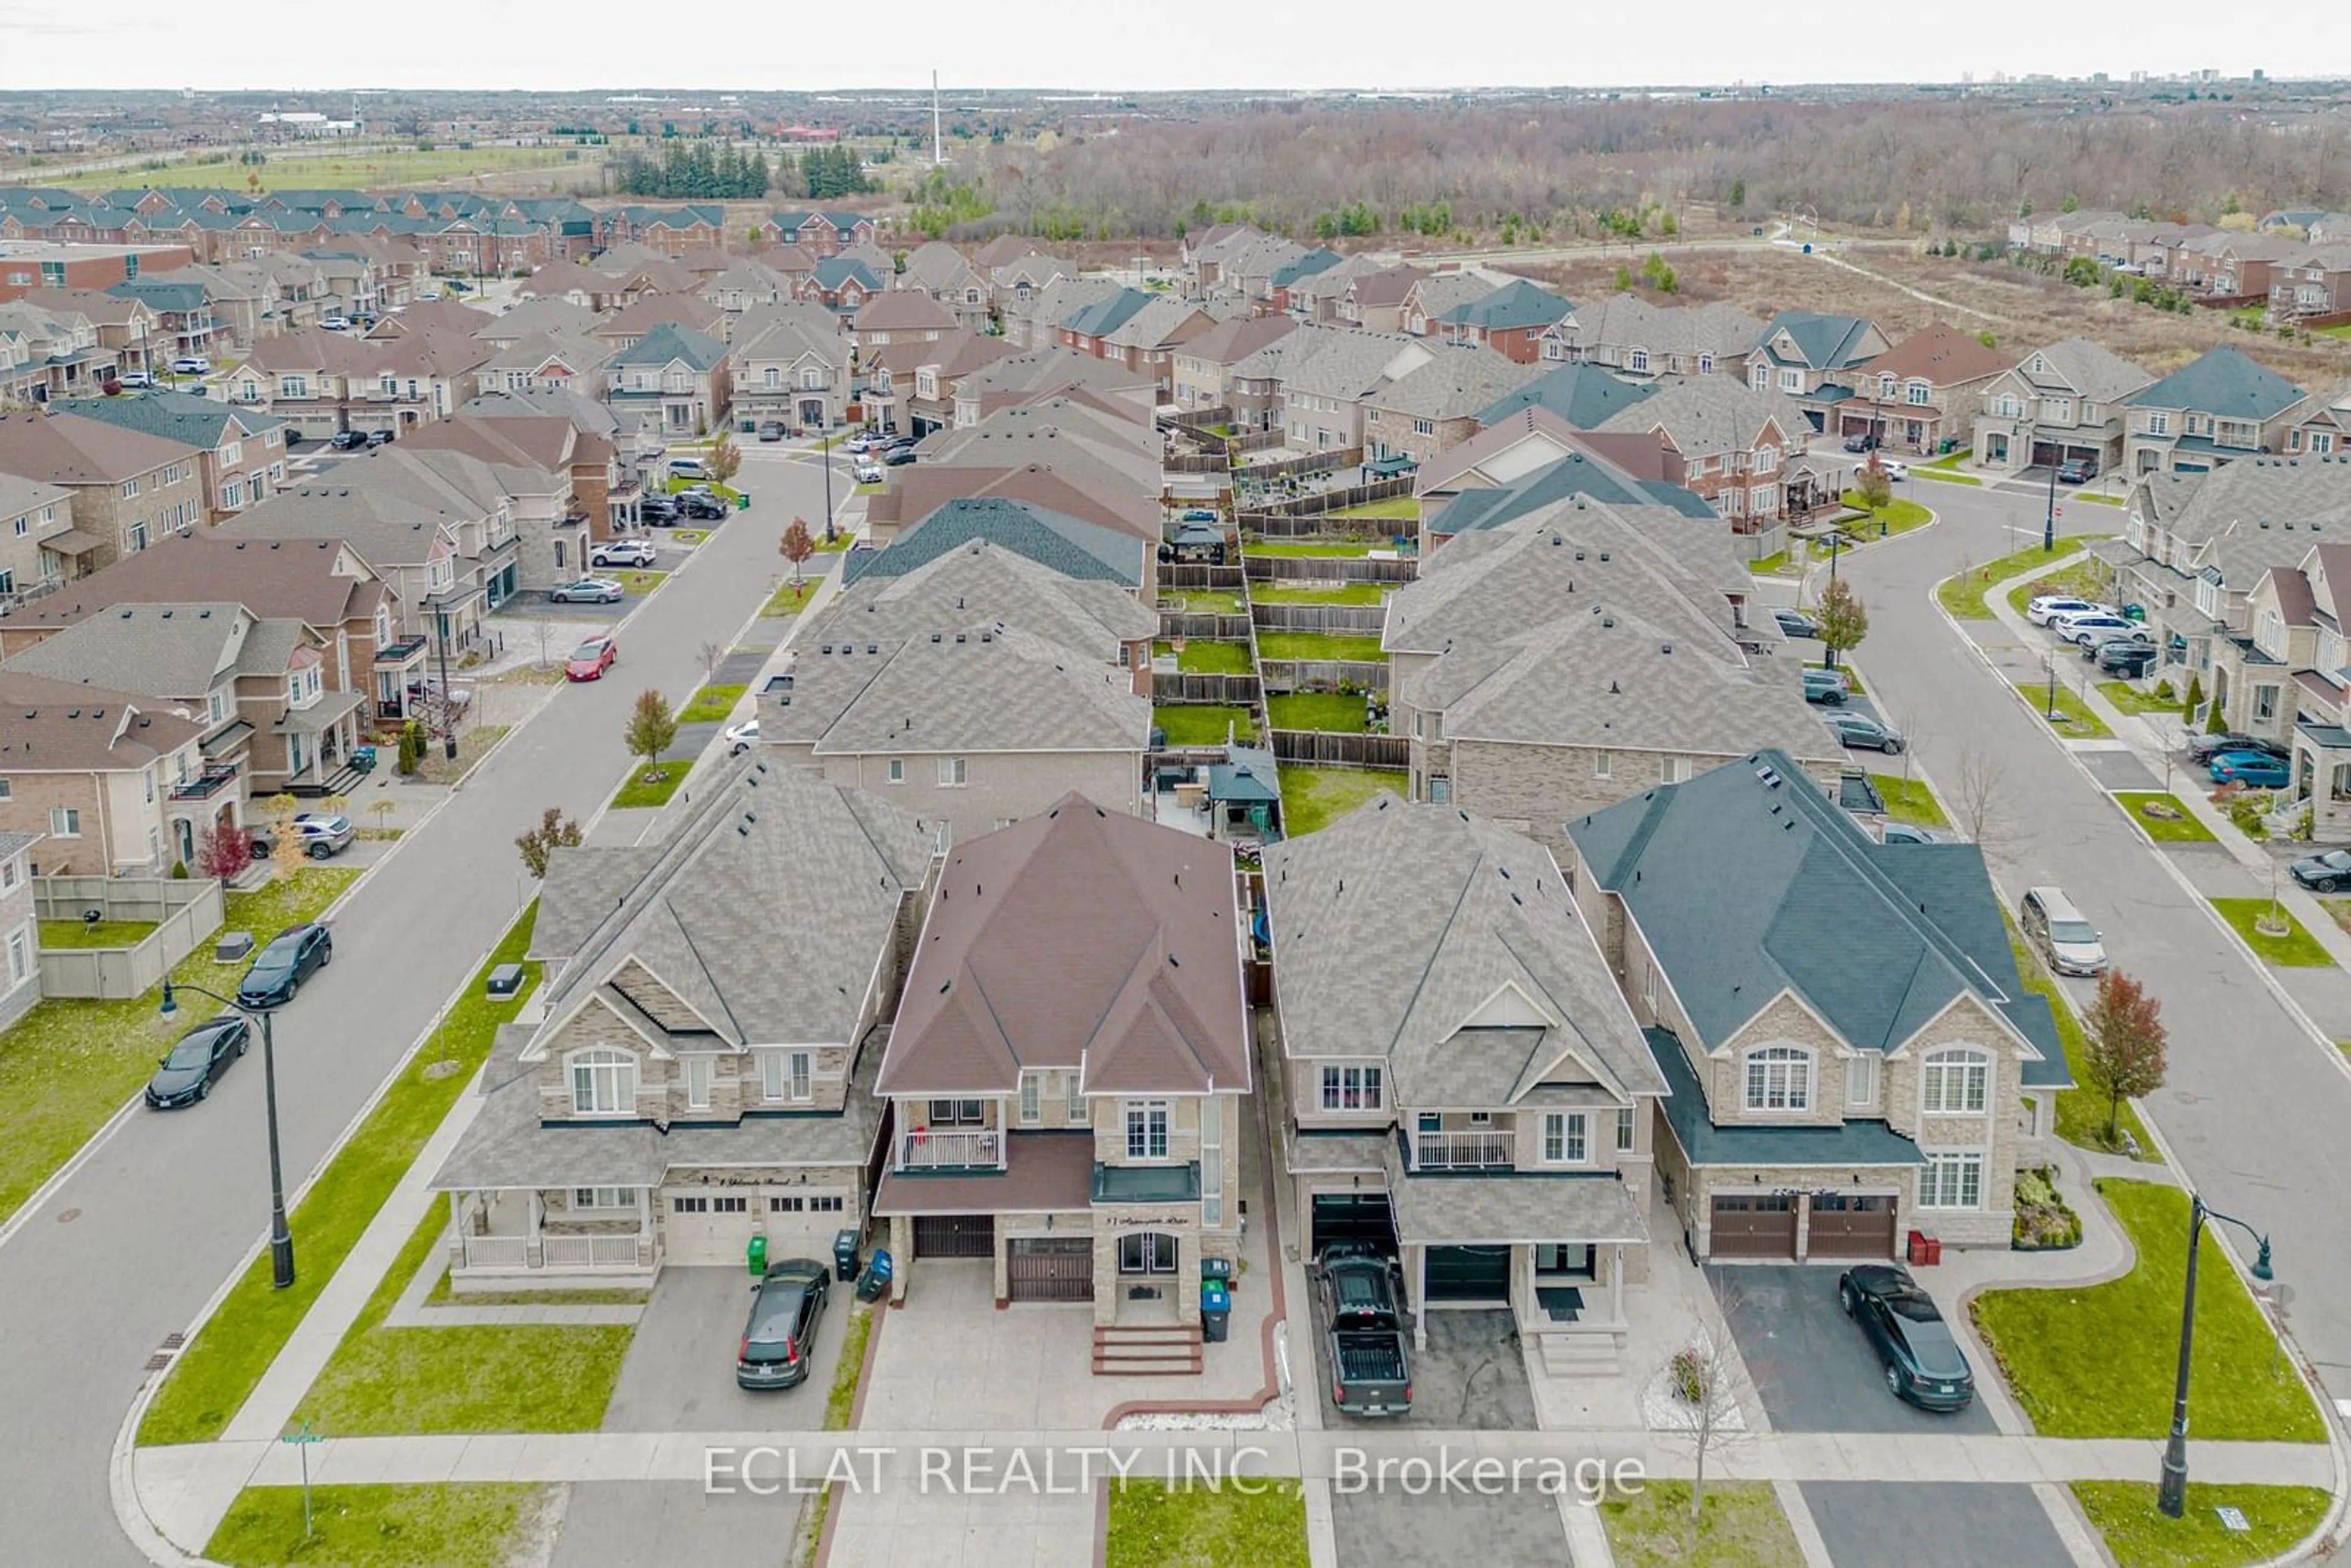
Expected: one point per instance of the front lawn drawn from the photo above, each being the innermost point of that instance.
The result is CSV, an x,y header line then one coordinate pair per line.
x,y
213,1376
1314,798
1944,475
2297,949
1899,516
1308,549
2081,1111
387,1381
2140,1536
449,1524
1316,646
1399,507
1962,596
58,934
68,1064
791,598
2082,579
654,786
2098,1361
1190,725
1337,594
1772,565
1909,800
1740,1525
1153,1525
2076,721
711,704
2131,699
636,579
1317,710
1201,657
2168,823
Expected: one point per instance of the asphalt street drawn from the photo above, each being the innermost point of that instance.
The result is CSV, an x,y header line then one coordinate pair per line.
x,y
131,1247
2255,1106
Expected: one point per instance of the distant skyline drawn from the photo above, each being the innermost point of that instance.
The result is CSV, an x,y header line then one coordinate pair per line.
x,y
1122,45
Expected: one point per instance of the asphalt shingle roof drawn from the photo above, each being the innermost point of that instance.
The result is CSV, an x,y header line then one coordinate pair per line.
x,y
1583,395
1455,384
2223,383
1067,544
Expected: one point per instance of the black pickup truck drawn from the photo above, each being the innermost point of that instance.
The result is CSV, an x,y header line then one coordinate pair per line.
x,y
1364,1333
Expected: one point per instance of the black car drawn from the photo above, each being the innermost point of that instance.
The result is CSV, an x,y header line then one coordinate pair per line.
x,y
1924,1364
897,456
379,438
347,440
702,508
2329,872
199,1059
1861,444
2204,747
2124,656
786,1306
285,964
1796,624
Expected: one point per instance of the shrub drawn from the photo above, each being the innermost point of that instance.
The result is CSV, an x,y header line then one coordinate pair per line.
x,y
2195,698
2163,692
1689,1377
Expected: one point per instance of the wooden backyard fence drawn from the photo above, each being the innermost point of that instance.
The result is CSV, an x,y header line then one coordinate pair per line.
x,y
1332,749
1339,619
1321,569
1322,674
1209,626
1216,690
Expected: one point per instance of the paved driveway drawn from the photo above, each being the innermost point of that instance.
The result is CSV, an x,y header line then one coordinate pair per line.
x,y
680,1372
630,1524
1937,1525
1812,1364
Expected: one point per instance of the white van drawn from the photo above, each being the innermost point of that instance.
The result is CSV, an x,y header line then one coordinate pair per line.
x,y
2059,933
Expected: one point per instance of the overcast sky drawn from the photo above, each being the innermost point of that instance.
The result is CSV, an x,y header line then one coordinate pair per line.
x,y
1122,45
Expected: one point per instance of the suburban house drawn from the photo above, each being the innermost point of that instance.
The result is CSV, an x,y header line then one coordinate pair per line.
x,y
1923,391
1374,301
1067,1072
570,281
2063,403
747,285
1510,320
1315,295
1817,1107
673,379
602,484
1070,484
32,515
1626,334
241,451
58,355
699,1067
126,327
629,326
1147,341
1035,322
921,377
20,927
843,284
939,271
2316,281
530,468
1813,359
1013,284
1625,469
1303,265
1583,654
1438,294
900,317
2287,678
259,683
1436,405
820,233
1203,366
1728,443
2221,406
789,363
1328,376
1074,548
1088,329
1248,270
116,782
1081,436
1481,1098
2321,424
129,488
1584,396
1049,372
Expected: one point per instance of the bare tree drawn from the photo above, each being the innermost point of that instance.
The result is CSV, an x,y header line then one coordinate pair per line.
x,y
712,655
1979,795
1701,1402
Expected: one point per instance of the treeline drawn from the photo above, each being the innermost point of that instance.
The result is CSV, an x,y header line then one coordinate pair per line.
x,y
711,171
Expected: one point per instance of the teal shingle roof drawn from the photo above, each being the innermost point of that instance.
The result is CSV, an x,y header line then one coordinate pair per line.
x,y
2225,383
1584,395
1307,265
175,416
1574,474
1070,545
1513,306
1825,341
671,341
1107,316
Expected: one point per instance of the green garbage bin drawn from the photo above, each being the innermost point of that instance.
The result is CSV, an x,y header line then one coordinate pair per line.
x,y
755,1254
742,502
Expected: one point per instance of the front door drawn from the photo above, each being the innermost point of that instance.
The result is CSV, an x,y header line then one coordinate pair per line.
x,y
1146,1252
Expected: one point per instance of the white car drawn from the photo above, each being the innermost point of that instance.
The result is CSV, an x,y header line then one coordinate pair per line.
x,y
688,468
2083,629
135,379
335,323
1896,470
2049,606
192,365
426,294
868,473
858,446
742,738
622,553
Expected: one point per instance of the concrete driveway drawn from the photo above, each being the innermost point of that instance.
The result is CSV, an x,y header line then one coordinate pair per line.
x,y
1933,1524
680,1372
1813,1366
1472,1377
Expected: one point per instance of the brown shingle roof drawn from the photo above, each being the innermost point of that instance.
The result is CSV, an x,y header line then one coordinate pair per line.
x,y
294,580
1941,354
67,449
903,310
65,727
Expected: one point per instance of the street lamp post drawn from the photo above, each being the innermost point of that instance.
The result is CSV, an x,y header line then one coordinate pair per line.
x,y
2049,523
2172,1494
281,1239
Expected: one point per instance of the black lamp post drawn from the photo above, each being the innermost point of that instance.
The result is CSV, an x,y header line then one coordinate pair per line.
x,y
281,1240
2172,1495
2049,523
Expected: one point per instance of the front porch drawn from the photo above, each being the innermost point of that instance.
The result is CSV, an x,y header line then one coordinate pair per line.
x,y
531,1237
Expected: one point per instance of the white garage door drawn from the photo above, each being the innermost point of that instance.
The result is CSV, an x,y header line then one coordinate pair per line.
x,y
709,1227
801,1223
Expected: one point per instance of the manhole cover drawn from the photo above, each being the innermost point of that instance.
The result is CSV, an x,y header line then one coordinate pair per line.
x,y
67,1215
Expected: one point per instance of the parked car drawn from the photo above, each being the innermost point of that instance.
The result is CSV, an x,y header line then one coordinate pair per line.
x,y
689,468
898,442
291,957
196,1063
702,508
347,440
425,296
1863,442
2082,631
2204,747
1924,1364
380,437
858,446
2139,639
591,659
2059,932
1826,686
867,473
323,834
1852,730
1796,624
335,322
771,429
1894,470
2328,872
742,738
2076,471
624,552
1905,833
587,590
778,1337
897,456
2122,656
138,378
1364,1335
1198,515
192,365
2049,606
2254,770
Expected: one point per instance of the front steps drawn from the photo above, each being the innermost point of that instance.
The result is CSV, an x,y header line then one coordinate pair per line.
x,y
1171,1350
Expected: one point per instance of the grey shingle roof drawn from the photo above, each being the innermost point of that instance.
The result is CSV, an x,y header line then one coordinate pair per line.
x,y
169,650
200,422
671,341
1067,544
1577,474
1455,384
976,690
1335,362
1704,416
70,725
2092,372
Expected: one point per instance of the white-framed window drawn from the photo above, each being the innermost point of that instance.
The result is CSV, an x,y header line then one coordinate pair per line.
x,y
65,822
1146,1129
953,773
800,1074
2265,703
1763,500
1352,1088
1638,359
1767,458
20,960
129,489
604,1083
603,1197
2207,597
1072,1088
897,770
1951,1181
2057,410
1779,1077
1706,364
1212,1163
1955,1082
1424,427
1791,380
1917,394
1564,1140
698,1072
2158,425
1628,1128
1604,763
1861,1082
1673,769
1032,1098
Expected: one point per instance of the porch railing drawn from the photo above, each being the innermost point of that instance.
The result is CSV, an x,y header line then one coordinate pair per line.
x,y
935,1149
496,1253
1460,1151
591,1251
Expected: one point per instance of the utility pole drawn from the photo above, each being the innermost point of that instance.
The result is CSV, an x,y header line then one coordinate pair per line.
x,y
938,142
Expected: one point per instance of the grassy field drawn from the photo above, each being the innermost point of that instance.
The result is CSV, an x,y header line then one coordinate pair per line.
x,y
2098,1361
1338,594
459,1524
213,1376
2297,949
2130,699
651,786
1199,726
711,704
68,1065
2076,722
366,171
1314,798
2177,828
2140,1536
59,935
1314,645
1962,596
1153,1525
1200,657
1740,1525
1909,800
791,598
2081,1111
1898,516
1317,710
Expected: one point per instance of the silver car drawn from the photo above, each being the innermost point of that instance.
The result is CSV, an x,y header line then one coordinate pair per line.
x,y
588,591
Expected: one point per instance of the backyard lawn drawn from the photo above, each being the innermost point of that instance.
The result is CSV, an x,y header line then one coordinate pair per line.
x,y
1962,596
1909,800
2081,1111
1302,549
1153,1525
2140,1536
212,1377
711,704
2297,949
1314,798
1337,594
1202,657
1317,710
2169,823
2076,722
2098,1361
1203,601
1740,1525
1187,725
1402,508
63,934
68,1065
451,1524
1314,645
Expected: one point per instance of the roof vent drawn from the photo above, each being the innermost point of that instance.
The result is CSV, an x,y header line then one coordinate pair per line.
x,y
1608,623
126,614
826,649
1604,555
872,647
1579,555
935,637
1614,690
961,638
167,615
204,614
1664,647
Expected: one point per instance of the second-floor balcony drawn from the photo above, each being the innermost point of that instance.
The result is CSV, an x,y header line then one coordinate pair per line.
x,y
1461,1151
951,1148
216,778
392,655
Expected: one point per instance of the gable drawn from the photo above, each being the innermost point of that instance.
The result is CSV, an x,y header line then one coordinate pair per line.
x,y
1510,1008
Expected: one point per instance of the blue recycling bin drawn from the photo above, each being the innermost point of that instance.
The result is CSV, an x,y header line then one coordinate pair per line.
x,y
876,1278
1216,1311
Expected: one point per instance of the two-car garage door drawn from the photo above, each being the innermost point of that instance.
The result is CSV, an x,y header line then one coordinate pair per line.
x,y
1762,1225
708,1225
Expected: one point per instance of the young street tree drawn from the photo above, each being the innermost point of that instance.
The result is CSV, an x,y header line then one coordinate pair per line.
x,y
797,547
1871,485
1979,798
652,727
1844,620
2124,1038
1704,1398
555,832
285,846
725,459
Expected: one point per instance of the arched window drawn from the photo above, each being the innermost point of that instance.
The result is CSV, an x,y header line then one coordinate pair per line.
x,y
1779,1077
604,1082
1955,1082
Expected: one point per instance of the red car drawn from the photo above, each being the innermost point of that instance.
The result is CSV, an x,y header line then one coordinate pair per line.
x,y
591,659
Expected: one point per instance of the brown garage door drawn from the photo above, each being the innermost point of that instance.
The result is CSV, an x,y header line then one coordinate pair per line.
x,y
955,1235
1051,1268
1852,1226
1754,1225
